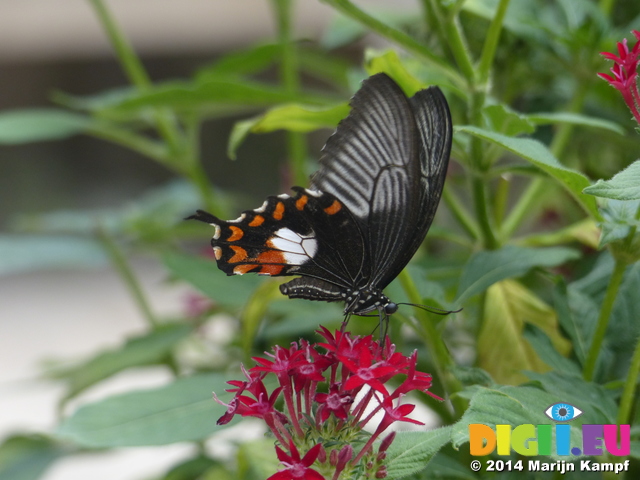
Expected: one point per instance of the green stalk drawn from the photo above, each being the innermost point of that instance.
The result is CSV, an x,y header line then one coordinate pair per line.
x,y
491,42
120,263
451,31
628,393
603,319
606,6
290,77
525,203
460,213
481,202
398,37
135,71
442,360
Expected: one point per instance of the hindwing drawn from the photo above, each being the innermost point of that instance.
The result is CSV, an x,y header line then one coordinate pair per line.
x,y
311,234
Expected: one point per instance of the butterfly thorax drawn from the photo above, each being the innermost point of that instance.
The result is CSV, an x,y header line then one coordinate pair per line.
x,y
365,300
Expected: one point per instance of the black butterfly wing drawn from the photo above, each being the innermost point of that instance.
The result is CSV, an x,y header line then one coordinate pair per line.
x,y
309,234
384,165
435,131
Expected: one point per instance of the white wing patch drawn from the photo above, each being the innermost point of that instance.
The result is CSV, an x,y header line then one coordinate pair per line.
x,y
296,249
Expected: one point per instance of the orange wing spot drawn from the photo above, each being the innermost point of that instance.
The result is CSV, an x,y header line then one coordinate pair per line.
x,y
334,208
279,211
239,255
301,202
271,256
257,221
242,269
271,269
236,234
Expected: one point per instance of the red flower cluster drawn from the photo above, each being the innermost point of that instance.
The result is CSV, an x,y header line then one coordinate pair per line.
x,y
326,423
625,74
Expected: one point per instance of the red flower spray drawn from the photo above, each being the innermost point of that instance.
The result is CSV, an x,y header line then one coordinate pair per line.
x,y
625,74
327,424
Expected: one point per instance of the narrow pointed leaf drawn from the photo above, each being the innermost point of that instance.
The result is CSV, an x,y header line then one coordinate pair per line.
x,y
539,155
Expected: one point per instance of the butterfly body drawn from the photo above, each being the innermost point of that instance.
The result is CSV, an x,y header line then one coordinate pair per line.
x,y
366,212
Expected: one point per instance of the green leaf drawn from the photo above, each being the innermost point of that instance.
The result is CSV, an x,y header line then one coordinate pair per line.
x,y
148,349
188,96
619,217
242,62
488,267
152,217
22,253
585,231
508,405
410,452
624,185
204,275
536,153
502,348
446,467
191,469
256,459
27,457
571,321
300,118
292,117
179,412
503,119
594,400
36,125
389,62
575,119
547,352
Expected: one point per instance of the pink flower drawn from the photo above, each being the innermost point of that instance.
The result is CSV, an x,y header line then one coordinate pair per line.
x,y
625,73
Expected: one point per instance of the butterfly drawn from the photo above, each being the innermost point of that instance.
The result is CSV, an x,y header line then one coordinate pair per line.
x,y
366,212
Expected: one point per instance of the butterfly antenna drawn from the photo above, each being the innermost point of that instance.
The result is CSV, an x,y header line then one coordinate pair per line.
x,y
436,310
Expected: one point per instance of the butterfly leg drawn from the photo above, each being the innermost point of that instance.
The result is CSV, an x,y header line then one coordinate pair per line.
x,y
347,316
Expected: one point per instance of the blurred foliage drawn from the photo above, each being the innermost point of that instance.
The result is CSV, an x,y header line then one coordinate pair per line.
x,y
543,164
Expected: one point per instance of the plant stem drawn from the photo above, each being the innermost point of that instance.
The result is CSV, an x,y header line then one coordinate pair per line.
x,y
561,139
491,42
628,393
442,360
481,202
398,37
603,319
135,71
290,77
120,263
460,213
456,41
606,6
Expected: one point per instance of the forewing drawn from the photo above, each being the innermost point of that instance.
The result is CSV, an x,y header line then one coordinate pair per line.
x,y
372,165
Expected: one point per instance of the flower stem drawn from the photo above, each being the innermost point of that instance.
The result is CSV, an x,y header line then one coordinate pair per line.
x,y
603,319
